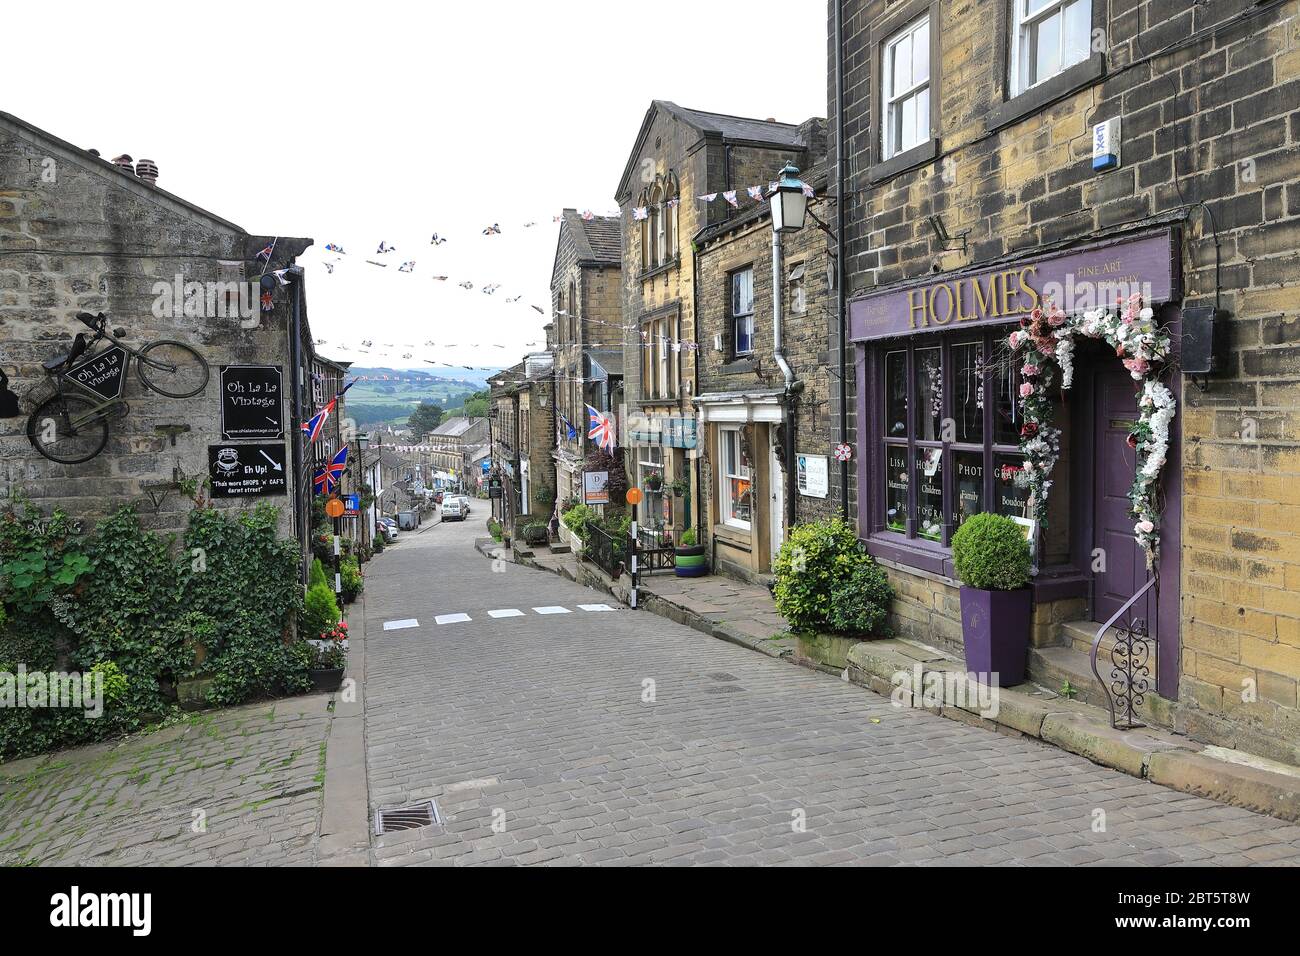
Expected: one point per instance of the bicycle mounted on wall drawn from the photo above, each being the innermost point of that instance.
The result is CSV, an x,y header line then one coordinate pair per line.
x,y
70,425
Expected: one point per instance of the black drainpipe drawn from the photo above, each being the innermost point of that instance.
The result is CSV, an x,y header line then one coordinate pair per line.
x,y
302,518
840,271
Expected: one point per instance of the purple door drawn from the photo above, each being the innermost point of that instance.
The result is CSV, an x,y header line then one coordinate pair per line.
x,y
1114,462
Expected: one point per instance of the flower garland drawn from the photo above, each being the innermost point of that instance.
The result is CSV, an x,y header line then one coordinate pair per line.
x,y
1045,344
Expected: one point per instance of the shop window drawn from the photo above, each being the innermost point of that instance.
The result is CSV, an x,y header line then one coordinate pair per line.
x,y
905,89
742,311
1047,36
650,478
736,478
951,432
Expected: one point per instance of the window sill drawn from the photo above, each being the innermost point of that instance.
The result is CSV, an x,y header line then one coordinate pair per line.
x,y
1032,100
732,534
737,366
648,274
901,162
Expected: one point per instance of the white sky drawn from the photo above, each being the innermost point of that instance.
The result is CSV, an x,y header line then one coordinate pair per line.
x,y
353,123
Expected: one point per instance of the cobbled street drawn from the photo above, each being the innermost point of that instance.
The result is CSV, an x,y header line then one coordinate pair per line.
x,y
536,723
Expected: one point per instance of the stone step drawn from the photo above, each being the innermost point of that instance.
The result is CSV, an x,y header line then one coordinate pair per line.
x,y
1052,666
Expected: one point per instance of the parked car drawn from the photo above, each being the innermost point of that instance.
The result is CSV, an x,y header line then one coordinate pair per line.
x,y
390,528
464,502
453,509
437,498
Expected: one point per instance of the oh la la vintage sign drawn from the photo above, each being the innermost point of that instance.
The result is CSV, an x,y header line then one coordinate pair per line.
x,y
1076,280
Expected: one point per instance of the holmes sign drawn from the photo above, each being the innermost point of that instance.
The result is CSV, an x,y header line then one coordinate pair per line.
x,y
1076,280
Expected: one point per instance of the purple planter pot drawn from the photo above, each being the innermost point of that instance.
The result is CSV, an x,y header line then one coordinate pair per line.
x,y
995,632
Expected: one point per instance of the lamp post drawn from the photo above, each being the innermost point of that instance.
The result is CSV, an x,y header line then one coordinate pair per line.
x,y
789,205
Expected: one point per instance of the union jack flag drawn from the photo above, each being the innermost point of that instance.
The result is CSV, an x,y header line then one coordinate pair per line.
x,y
327,478
313,427
266,251
601,428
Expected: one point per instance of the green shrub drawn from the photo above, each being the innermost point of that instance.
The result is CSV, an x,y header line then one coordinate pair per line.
x,y
990,552
817,559
353,582
861,605
687,539
317,575
320,612
575,519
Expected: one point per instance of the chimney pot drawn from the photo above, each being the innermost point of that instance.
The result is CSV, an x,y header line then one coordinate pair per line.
x,y
124,161
771,119
147,170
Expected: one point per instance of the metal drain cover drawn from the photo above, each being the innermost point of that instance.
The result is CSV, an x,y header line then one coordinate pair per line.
x,y
721,675
407,818
723,689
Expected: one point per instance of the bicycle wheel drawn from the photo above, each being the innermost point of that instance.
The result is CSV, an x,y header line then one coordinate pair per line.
x,y
172,369
66,429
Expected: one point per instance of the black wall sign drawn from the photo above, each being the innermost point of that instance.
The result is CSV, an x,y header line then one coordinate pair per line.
x,y
251,402
245,471
104,373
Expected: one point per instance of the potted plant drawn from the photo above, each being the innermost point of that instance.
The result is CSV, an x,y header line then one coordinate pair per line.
x,y
689,559
326,671
654,481
681,487
991,558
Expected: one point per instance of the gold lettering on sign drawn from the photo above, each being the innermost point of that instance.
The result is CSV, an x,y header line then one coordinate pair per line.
x,y
986,299
913,308
1008,296
934,313
1024,284
961,314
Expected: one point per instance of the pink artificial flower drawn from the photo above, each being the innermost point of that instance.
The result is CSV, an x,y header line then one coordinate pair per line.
x,y
1036,314
1026,389
1137,366
1029,370
1014,340
1047,347
1146,527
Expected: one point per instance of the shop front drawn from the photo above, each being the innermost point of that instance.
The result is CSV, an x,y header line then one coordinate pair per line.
x,y
942,436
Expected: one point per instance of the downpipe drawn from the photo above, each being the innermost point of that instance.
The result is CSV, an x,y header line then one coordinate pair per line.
x,y
792,385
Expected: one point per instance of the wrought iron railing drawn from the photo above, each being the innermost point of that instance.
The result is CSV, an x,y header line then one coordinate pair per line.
x,y
1133,663
654,549
607,551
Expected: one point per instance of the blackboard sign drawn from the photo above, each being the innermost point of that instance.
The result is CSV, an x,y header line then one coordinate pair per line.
x,y
251,402
245,471
103,373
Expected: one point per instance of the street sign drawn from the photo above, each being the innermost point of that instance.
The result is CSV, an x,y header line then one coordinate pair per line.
x,y
245,471
103,373
352,505
252,403
595,487
334,508
634,496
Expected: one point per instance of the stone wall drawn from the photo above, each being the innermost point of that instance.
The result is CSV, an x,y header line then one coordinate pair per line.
x,y
1207,94
79,234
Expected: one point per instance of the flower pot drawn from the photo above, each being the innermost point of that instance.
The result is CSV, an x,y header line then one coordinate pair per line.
x,y
690,562
995,633
325,678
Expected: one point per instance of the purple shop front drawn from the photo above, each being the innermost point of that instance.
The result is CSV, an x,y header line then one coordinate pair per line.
x,y
917,484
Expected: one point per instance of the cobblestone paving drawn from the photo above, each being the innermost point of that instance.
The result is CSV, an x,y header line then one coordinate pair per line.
x,y
256,772
538,723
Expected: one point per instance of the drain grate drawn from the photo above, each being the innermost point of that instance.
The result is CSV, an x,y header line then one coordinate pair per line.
x,y
407,818
721,675
723,689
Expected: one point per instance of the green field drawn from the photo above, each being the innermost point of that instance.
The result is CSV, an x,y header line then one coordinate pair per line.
x,y
376,401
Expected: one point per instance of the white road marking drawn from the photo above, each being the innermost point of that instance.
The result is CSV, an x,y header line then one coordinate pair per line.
x,y
552,610
595,607
506,612
399,625
452,618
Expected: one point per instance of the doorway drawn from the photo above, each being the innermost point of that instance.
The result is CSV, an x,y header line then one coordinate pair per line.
x,y
776,481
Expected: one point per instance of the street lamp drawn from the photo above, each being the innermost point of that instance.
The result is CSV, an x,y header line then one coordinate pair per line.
x,y
788,201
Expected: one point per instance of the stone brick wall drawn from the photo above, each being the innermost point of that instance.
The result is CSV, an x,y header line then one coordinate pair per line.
x,y
78,234
1207,94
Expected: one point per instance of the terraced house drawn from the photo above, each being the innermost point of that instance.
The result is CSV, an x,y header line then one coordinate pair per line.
x,y
587,333
679,156
1003,156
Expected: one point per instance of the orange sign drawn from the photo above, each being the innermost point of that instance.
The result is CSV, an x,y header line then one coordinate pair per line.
x,y
634,496
334,508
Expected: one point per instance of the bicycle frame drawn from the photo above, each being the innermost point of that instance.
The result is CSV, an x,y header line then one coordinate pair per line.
x,y
62,378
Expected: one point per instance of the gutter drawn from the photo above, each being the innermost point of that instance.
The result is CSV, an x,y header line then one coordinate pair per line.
x,y
302,518
840,271
792,385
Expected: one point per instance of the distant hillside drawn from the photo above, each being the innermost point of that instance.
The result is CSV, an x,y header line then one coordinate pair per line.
x,y
389,395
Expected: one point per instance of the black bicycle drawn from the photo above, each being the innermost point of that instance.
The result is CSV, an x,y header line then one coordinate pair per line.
x,y
71,427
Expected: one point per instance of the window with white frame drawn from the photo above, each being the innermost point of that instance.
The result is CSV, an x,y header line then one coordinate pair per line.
x,y
905,89
659,358
1047,36
736,478
742,311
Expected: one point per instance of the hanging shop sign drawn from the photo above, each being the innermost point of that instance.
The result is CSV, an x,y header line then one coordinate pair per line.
x,y
668,431
103,373
1076,280
247,471
252,405
595,487
813,474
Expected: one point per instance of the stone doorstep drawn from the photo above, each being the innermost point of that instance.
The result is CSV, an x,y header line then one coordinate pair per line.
x,y
1083,729
1072,725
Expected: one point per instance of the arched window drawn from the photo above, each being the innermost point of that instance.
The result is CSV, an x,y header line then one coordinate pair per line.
x,y
659,201
573,314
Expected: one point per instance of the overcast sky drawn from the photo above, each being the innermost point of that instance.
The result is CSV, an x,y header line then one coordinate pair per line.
x,y
354,123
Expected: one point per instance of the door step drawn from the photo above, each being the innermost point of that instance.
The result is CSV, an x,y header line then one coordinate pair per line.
x,y
1053,666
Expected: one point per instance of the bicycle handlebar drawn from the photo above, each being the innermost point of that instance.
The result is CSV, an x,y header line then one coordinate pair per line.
x,y
95,322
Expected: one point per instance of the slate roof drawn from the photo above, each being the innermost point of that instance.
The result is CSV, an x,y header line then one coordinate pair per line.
x,y
453,427
599,239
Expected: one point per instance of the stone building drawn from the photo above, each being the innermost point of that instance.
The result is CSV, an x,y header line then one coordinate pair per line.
x,y
980,186
748,424
450,444
81,234
523,439
586,299
679,156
